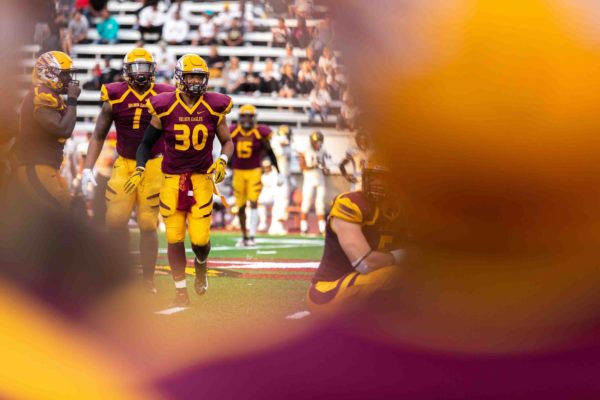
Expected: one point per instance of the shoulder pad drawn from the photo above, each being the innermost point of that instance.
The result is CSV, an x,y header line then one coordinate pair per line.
x,y
44,97
219,103
113,91
161,103
350,207
163,87
264,131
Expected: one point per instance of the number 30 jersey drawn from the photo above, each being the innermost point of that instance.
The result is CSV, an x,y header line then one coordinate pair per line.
x,y
248,146
130,114
189,132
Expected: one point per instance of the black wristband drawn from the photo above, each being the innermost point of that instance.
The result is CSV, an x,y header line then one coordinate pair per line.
x,y
71,101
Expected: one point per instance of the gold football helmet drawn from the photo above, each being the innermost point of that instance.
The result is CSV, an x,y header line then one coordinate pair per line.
x,y
247,116
191,64
54,70
139,67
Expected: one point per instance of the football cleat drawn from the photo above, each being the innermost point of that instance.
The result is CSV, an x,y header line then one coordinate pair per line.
x,y
250,242
201,282
148,286
182,299
242,243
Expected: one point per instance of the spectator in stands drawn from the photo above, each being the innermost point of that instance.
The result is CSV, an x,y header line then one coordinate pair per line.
x,y
269,79
289,58
207,30
151,21
347,119
165,63
281,34
95,8
320,101
235,34
233,76
108,29
302,8
306,78
175,29
288,82
324,35
215,62
251,80
327,61
301,36
311,58
224,19
78,28
103,75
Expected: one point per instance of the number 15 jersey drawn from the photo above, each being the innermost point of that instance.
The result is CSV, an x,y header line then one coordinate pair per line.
x,y
130,114
189,132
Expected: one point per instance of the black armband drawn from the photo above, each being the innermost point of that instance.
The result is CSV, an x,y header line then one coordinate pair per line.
x,y
72,101
144,150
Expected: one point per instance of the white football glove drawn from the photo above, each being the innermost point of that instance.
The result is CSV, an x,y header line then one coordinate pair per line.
x,y
88,181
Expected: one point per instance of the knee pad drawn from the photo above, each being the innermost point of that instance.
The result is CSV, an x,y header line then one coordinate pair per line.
x,y
147,221
201,252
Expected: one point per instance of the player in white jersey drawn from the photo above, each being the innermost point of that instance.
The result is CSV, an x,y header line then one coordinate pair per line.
x,y
282,148
269,180
357,157
313,162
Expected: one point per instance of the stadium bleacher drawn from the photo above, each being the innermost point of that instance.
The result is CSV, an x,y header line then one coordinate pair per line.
x,y
274,110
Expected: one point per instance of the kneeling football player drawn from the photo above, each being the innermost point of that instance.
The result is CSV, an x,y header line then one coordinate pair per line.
x,y
362,243
189,119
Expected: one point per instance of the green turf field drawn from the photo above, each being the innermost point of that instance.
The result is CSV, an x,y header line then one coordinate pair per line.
x,y
265,283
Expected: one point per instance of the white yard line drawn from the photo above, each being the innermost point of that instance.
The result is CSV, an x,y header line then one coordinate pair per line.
x,y
172,310
298,315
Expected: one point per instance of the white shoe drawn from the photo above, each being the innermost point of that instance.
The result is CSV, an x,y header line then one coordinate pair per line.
x,y
251,242
242,243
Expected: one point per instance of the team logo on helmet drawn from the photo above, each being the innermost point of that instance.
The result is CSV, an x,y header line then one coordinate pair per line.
x,y
191,64
54,70
139,67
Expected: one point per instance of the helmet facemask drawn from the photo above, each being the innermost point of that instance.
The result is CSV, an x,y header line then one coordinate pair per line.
x,y
140,74
191,89
61,78
247,121
375,183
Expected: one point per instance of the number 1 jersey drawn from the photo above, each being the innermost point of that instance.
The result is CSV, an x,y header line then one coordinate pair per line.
x,y
130,114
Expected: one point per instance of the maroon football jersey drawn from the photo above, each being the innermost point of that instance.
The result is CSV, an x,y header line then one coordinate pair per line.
x,y
249,146
189,132
35,144
131,116
382,231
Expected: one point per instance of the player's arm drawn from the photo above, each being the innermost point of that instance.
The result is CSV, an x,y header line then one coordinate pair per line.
x,y
357,249
60,126
218,167
151,135
270,153
350,178
302,162
103,123
225,138
144,151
